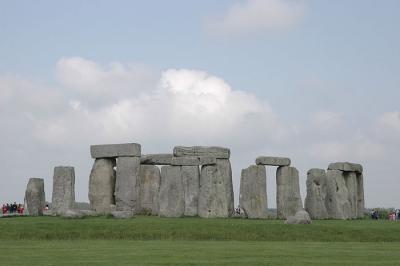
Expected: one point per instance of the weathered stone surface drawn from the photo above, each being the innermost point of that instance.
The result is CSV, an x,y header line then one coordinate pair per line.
x,y
351,184
149,186
115,150
102,185
156,159
217,152
63,197
35,197
122,214
172,195
273,161
88,213
316,194
337,197
126,185
191,186
301,217
193,160
360,196
216,190
288,199
72,214
253,192
346,166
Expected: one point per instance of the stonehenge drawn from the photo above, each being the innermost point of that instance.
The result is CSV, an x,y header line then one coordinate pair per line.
x,y
63,197
35,197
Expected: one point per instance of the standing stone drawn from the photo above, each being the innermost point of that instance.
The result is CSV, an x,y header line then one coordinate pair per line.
x,y
337,199
63,197
351,184
126,185
35,197
172,195
149,185
191,186
316,194
253,192
216,190
360,196
102,185
217,152
288,199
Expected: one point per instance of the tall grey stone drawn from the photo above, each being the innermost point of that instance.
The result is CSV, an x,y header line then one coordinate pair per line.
x,y
149,186
172,195
156,159
35,199
216,190
273,161
351,184
217,152
316,193
191,186
63,197
126,184
360,196
253,192
115,150
102,185
337,198
288,199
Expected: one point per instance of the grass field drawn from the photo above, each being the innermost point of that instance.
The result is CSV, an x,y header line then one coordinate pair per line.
x,y
154,241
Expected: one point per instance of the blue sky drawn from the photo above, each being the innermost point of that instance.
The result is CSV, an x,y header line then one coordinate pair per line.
x,y
325,75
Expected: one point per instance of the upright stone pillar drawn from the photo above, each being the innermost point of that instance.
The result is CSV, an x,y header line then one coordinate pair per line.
x,y
149,185
191,186
337,199
288,199
126,186
351,184
253,192
102,185
172,195
63,197
316,194
360,196
35,199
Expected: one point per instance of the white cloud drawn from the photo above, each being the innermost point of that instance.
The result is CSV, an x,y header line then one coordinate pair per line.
x,y
326,120
391,120
252,16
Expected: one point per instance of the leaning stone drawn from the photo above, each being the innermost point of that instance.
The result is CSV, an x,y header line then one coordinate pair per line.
x,y
191,186
273,161
63,197
217,152
171,196
35,197
301,217
72,214
193,160
216,190
126,185
360,196
115,150
346,166
149,185
253,192
122,214
337,196
102,185
157,159
288,199
316,194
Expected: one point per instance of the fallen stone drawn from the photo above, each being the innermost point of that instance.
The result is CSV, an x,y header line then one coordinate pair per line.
x,y
157,159
72,214
253,192
171,196
193,160
301,217
63,197
149,185
216,190
346,166
122,214
360,196
272,161
102,185
217,152
115,150
35,197
337,196
191,186
316,194
126,185
288,197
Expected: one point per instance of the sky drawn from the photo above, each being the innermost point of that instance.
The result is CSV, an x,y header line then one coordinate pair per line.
x,y
317,81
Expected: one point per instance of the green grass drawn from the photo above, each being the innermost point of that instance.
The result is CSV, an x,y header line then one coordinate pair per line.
x,y
151,240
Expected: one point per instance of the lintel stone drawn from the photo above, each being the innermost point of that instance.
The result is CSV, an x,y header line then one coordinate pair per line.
x,y
193,160
346,167
115,150
273,161
217,152
157,159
